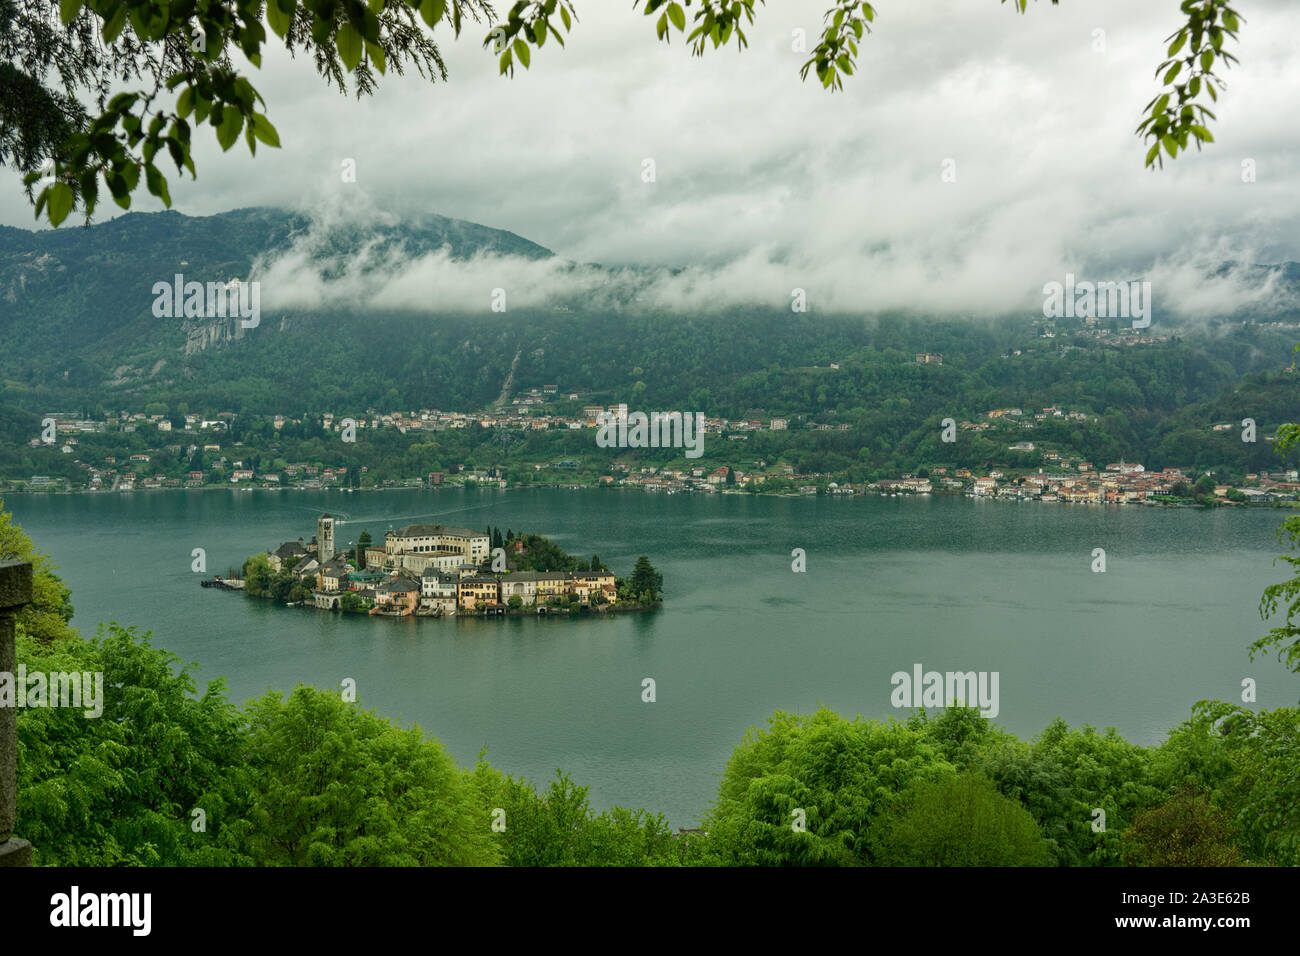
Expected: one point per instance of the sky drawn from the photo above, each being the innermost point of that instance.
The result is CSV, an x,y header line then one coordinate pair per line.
x,y
763,182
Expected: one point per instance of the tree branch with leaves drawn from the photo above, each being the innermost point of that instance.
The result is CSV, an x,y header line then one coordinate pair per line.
x,y
58,55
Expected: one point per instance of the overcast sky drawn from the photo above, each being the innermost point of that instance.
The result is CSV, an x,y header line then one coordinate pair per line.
x,y
763,180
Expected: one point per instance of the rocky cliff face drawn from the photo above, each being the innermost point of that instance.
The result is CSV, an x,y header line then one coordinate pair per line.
x,y
201,334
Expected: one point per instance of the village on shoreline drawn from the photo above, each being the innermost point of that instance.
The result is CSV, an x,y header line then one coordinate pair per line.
x,y
434,570
1038,473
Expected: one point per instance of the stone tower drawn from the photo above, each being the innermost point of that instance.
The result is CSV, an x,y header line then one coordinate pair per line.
x,y
324,538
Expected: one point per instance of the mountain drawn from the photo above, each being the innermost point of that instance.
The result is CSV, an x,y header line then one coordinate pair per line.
x,y
80,300
79,332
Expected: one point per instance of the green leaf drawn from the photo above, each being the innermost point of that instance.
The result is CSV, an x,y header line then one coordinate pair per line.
x,y
377,56
564,15
280,20
1207,60
157,184
68,10
349,44
1171,144
432,10
521,51
677,15
113,26
661,28
264,131
232,121
185,104
1178,43
60,202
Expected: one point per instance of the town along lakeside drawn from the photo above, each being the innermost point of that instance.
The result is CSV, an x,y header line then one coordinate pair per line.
x,y
435,570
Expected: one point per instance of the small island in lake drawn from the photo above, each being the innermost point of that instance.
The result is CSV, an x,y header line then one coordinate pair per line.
x,y
434,570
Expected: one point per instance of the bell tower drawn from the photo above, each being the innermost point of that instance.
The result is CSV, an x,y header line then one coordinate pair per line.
x,y
324,538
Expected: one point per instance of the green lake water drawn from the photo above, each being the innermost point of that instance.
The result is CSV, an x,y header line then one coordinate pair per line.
x,y
949,583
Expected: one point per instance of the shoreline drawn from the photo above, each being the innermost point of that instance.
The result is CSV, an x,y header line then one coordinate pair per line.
x,y
1141,502
527,611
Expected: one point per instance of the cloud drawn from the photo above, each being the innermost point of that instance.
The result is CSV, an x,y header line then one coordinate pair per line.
x,y
957,276
765,183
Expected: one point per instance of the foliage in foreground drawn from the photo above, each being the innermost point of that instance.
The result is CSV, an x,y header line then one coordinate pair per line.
x,y
169,776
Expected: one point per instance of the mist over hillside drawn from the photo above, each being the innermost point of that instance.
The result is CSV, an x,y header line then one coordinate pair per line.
x,y
434,312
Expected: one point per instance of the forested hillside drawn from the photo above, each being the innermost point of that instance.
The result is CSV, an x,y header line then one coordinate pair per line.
x,y
80,335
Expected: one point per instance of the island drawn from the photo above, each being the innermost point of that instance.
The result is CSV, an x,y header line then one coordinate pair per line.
x,y
435,570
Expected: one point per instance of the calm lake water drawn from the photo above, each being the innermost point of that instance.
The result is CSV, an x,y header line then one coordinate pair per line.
x,y
949,583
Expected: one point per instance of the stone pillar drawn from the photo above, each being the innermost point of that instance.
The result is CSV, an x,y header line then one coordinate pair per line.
x,y
15,593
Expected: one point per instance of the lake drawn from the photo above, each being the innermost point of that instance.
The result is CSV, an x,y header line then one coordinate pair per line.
x,y
952,584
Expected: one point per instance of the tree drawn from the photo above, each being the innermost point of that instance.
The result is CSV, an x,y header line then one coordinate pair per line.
x,y
352,603
46,617
804,791
1186,830
515,601
958,820
1285,638
257,575
559,828
338,786
282,584
51,55
119,790
647,583
363,542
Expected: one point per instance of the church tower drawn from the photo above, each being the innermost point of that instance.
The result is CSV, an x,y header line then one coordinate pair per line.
x,y
324,538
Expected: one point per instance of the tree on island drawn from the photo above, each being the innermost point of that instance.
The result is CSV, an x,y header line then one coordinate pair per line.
x,y
353,603
257,575
55,57
647,583
363,542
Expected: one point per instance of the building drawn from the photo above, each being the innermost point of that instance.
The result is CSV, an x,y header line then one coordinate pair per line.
x,y
398,593
474,546
305,567
332,576
324,538
438,592
287,555
325,601
520,584
476,588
